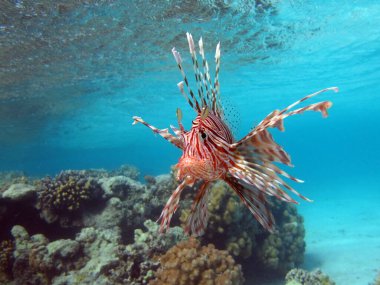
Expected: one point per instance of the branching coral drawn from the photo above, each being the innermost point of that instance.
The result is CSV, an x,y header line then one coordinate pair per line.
x,y
68,191
302,277
190,263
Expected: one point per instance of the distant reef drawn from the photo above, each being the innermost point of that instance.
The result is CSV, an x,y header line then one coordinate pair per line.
x,y
96,227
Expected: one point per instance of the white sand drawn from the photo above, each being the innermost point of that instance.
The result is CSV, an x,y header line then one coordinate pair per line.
x,y
343,232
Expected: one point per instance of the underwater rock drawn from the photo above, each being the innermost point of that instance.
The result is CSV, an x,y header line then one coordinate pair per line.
x,y
100,249
377,280
8,178
157,243
190,263
6,260
127,171
137,262
120,186
19,191
302,277
111,216
37,261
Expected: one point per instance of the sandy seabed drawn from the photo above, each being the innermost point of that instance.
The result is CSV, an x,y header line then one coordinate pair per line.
x,y
343,232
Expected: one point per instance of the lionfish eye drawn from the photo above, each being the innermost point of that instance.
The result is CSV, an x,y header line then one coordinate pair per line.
x,y
203,135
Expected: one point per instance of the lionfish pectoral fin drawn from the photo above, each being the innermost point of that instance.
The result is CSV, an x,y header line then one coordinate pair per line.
x,y
198,217
255,201
172,205
275,119
162,132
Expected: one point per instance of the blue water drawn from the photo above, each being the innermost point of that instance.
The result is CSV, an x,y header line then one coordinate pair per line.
x,y
72,77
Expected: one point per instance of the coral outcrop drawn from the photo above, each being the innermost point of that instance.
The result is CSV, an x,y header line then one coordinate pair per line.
x,y
190,263
137,263
284,249
232,227
66,195
19,191
377,280
37,261
94,227
6,260
303,277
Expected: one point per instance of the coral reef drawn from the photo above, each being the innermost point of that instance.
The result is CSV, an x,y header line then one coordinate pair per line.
x,y
137,264
302,277
6,260
190,263
94,227
19,191
8,178
36,261
127,171
230,225
377,280
284,249
135,200
64,196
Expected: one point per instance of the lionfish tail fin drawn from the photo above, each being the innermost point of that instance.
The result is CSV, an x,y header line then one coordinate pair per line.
x,y
171,206
255,201
198,217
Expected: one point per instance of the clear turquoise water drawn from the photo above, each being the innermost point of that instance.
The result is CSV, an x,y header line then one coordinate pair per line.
x,y
72,77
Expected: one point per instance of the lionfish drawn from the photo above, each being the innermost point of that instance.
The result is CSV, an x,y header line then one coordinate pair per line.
x,y
211,153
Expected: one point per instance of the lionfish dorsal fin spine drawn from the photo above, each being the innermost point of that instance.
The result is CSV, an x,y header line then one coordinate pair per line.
x,y
195,102
208,91
216,79
206,76
197,73
180,87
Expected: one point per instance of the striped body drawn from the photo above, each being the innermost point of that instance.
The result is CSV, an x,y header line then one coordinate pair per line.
x,y
210,152
205,149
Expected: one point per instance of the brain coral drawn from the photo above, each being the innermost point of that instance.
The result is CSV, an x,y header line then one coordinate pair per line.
x,y
189,263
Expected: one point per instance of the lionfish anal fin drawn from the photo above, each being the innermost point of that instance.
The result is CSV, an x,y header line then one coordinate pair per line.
x,y
198,217
255,201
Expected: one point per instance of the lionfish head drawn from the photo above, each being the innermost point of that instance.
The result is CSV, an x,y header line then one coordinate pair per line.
x,y
203,154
